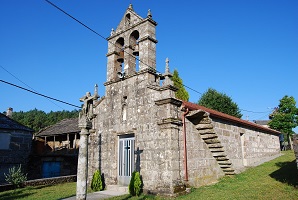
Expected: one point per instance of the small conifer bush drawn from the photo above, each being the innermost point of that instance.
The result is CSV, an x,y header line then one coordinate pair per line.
x,y
96,183
138,184
135,184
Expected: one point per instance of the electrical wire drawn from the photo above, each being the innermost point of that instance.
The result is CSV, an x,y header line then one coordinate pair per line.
x,y
48,97
124,50
27,85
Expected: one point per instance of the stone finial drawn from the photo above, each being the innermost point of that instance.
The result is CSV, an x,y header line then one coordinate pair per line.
x,y
149,14
95,96
130,6
112,32
167,66
167,74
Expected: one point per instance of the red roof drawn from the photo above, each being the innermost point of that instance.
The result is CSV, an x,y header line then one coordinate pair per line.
x,y
220,115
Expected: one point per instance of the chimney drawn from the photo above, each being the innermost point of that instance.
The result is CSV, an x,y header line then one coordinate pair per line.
x,y
9,112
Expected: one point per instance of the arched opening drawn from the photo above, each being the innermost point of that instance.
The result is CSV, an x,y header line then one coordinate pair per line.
x,y
119,45
127,19
133,42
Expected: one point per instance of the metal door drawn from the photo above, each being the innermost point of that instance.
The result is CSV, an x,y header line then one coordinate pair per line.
x,y
125,160
50,169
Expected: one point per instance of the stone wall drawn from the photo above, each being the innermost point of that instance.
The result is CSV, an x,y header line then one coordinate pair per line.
x,y
203,168
246,146
18,152
45,181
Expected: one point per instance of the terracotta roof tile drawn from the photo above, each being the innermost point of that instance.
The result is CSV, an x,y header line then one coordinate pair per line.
x,y
220,115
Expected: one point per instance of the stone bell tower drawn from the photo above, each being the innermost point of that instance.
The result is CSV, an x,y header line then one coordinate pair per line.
x,y
137,121
132,46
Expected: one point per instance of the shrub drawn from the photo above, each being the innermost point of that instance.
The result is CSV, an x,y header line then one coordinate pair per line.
x,y
15,176
96,183
135,184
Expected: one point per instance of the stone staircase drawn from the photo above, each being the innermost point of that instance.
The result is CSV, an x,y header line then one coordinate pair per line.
x,y
203,124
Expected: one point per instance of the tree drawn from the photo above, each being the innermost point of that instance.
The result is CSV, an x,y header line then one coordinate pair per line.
x,y
37,119
220,102
285,117
181,93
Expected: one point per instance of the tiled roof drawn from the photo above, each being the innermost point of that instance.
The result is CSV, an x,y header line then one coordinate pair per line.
x,y
220,115
63,127
10,124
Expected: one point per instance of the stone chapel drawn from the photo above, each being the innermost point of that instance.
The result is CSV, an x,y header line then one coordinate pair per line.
x,y
141,126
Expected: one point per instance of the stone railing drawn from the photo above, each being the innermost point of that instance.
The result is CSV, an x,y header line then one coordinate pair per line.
x,y
44,181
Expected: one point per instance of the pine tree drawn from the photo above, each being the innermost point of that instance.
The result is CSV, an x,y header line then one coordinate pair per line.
x,y
181,93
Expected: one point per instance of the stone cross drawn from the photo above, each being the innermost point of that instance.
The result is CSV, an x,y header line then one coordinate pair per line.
x,y
138,160
85,123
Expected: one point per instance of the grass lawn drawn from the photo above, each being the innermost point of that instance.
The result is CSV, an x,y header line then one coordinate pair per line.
x,y
277,179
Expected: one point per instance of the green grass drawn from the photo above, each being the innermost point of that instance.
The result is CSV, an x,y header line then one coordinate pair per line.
x,y
41,192
277,179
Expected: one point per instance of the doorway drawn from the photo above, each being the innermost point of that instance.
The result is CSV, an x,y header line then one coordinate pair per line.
x,y
125,159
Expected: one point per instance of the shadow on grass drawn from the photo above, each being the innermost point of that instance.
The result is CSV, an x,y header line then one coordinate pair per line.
x,y
287,173
13,196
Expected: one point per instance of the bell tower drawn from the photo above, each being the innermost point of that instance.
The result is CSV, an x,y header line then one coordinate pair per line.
x,y
132,46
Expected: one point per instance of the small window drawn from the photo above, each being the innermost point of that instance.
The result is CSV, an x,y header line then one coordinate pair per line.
x,y
4,141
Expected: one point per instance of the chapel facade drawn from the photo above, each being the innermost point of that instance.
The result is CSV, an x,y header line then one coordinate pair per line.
x,y
141,126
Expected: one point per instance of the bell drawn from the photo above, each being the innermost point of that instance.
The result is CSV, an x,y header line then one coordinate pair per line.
x,y
136,50
121,57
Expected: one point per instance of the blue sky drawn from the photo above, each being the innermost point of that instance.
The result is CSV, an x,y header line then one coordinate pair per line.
x,y
247,49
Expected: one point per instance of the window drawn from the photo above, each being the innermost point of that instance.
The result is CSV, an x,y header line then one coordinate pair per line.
x,y
4,141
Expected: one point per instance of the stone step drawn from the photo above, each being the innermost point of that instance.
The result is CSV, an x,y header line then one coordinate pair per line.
x,y
212,141
228,169
216,149
224,162
118,188
215,145
229,173
206,131
221,158
209,136
219,154
225,166
203,126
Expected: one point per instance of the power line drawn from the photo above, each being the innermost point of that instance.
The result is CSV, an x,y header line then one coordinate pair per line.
x,y
27,85
92,30
122,49
254,111
39,94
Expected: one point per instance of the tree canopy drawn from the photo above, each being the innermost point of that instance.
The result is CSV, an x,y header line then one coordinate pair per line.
x,y
37,119
285,116
181,93
219,101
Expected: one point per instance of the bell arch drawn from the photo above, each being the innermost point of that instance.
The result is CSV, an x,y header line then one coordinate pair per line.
x,y
134,45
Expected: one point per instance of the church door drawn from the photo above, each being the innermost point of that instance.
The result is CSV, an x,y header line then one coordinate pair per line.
x,y
125,160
